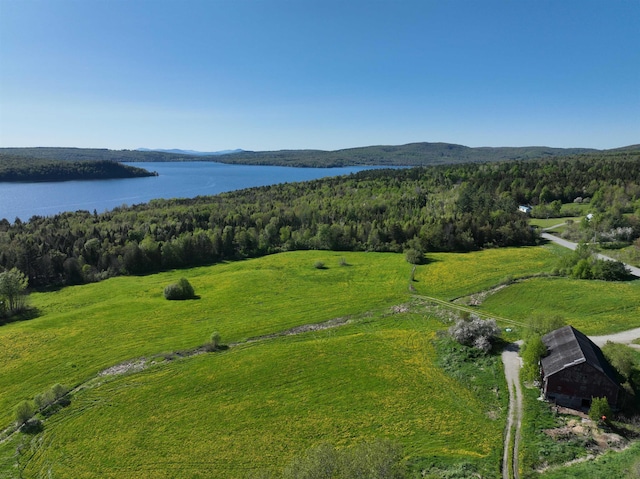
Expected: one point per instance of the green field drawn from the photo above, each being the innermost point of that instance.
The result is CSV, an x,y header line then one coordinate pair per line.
x,y
593,307
255,406
260,403
550,222
85,329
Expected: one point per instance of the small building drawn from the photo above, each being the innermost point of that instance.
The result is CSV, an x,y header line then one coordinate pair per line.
x,y
524,209
574,371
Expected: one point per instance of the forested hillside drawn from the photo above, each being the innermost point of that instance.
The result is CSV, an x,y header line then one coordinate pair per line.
x,y
15,168
412,154
443,208
93,154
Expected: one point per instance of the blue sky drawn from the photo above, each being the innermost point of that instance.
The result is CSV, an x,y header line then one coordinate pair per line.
x,y
287,74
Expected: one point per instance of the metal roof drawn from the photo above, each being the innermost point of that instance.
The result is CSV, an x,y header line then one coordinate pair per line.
x,y
567,347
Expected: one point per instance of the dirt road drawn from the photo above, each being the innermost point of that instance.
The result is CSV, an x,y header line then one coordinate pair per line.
x,y
512,364
625,337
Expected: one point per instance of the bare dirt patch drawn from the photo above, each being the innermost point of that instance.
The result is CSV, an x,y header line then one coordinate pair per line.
x,y
133,366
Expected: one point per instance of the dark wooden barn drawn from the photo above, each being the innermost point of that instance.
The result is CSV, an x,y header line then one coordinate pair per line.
x,y
574,371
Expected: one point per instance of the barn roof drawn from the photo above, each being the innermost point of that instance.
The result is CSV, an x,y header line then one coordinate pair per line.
x,y
568,347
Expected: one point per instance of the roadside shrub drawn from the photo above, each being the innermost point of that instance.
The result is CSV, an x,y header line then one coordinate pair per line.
x,y
180,290
583,263
532,351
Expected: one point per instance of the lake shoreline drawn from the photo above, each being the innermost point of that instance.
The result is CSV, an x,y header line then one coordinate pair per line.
x,y
174,180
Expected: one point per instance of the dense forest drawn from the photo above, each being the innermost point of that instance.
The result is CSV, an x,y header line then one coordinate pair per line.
x,y
412,154
441,208
15,168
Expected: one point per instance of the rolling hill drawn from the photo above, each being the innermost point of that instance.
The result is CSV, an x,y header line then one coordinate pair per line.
x,y
412,154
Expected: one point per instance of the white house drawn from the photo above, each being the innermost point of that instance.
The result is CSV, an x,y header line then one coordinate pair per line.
x,y
524,208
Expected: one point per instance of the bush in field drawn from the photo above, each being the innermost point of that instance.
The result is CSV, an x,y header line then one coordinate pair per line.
x,y
180,290
214,342
414,256
476,332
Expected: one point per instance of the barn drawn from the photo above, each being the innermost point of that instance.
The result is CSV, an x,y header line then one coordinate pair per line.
x,y
575,370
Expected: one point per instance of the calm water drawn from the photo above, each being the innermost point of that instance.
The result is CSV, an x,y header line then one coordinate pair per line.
x,y
175,180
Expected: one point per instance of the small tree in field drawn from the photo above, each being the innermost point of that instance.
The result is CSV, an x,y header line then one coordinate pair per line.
x,y
13,284
24,411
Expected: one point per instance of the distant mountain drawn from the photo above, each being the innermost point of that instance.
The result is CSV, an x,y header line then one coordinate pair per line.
x,y
193,152
412,154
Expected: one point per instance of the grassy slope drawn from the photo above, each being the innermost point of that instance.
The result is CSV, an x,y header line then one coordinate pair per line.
x,y
88,328
621,465
125,318
256,406
594,307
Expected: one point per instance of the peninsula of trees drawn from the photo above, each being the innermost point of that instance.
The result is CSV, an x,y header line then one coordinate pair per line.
x,y
15,168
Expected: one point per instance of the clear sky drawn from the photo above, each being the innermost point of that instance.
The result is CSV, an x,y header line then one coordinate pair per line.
x,y
286,74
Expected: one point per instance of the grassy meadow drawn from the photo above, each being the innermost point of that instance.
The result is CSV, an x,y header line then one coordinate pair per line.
x,y
593,307
85,329
258,404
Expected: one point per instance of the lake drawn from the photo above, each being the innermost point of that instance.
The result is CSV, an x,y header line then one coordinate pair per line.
x,y
174,180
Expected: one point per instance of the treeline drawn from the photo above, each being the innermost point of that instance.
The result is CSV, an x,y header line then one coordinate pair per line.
x,y
93,154
412,154
452,208
17,168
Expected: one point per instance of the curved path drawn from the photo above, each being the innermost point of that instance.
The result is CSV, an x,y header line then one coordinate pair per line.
x,y
512,364
624,337
568,244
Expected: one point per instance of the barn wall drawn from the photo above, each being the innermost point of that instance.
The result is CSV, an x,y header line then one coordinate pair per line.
x,y
575,386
